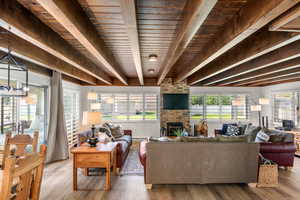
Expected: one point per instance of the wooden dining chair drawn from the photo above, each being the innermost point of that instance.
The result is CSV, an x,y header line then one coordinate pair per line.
x,y
21,142
29,171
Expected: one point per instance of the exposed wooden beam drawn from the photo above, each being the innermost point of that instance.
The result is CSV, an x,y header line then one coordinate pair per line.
x,y
30,51
33,67
270,81
258,44
260,72
269,76
129,16
194,14
280,82
252,17
133,82
27,26
73,18
282,54
280,23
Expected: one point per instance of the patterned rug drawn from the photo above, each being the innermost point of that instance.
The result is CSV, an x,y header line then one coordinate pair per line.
x,y
132,165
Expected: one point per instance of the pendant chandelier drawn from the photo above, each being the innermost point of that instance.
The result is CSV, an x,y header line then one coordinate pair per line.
x,y
8,67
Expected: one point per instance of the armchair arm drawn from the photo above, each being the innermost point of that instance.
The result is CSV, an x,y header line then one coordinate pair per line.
x,y
218,131
128,132
288,147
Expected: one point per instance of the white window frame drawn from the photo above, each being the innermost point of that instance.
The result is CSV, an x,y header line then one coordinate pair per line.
x,y
72,137
234,110
114,94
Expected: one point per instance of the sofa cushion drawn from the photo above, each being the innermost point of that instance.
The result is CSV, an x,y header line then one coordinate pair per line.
x,y
286,137
240,138
252,132
126,138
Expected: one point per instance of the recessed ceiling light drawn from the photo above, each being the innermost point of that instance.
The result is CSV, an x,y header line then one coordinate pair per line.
x,y
152,58
151,71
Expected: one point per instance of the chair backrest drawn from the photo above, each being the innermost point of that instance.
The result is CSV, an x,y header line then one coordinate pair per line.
x,y
21,142
29,171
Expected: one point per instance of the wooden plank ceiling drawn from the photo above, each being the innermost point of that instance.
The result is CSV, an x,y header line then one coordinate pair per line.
x,y
206,42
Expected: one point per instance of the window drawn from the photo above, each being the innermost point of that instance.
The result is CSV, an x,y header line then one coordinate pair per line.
x,y
197,107
218,107
284,107
25,114
150,106
8,114
132,106
71,108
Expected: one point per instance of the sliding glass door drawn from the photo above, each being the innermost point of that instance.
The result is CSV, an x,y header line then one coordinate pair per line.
x,y
25,114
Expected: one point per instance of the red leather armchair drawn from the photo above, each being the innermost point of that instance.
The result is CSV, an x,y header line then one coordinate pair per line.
x,y
281,153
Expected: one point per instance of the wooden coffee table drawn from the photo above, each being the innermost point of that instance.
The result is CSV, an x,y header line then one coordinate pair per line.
x,y
102,156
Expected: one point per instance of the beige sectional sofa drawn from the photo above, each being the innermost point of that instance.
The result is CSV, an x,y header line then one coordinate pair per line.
x,y
199,162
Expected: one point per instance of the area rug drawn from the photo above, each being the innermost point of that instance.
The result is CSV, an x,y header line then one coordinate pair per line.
x,y
132,165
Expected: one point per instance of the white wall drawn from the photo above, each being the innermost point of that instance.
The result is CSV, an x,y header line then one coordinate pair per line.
x,y
268,92
140,129
253,92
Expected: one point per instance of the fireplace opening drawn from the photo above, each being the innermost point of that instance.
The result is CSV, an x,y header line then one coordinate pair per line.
x,y
172,127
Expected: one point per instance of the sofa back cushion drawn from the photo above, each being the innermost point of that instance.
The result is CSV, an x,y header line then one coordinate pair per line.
x,y
240,138
252,132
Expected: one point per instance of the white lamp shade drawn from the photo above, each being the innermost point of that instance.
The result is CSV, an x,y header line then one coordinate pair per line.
x,y
92,96
95,106
264,101
255,108
91,118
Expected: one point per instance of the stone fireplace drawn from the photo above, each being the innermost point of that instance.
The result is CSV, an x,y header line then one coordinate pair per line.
x,y
173,116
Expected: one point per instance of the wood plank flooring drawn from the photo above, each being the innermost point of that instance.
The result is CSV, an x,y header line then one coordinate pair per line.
x,y
57,185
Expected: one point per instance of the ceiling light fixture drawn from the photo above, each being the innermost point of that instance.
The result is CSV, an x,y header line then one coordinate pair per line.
x,y
152,58
151,71
9,65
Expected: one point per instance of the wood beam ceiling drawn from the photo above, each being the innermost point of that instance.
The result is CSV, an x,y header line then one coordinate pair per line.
x,y
134,82
260,72
256,45
269,81
73,18
194,14
33,67
129,16
252,17
26,49
282,54
284,20
27,26
279,82
280,74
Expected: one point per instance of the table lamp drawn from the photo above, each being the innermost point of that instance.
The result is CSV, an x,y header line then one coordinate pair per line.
x,y
92,118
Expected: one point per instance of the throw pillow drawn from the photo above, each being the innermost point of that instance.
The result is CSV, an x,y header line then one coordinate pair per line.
x,y
107,131
116,131
262,136
232,130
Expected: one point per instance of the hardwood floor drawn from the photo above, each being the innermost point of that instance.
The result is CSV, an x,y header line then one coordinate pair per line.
x,y
57,185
